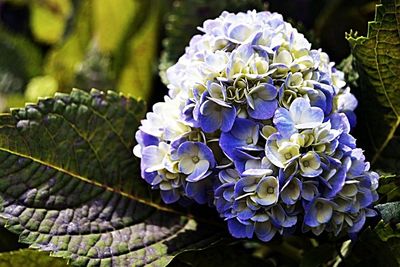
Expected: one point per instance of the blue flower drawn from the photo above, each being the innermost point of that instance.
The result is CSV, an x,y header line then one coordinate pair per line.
x,y
262,101
280,151
195,159
241,140
252,74
318,212
299,116
310,164
214,112
291,191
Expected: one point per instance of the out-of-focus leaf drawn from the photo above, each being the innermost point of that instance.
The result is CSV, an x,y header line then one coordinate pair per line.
x,y
389,187
136,75
370,251
29,258
63,61
183,19
111,19
95,71
390,211
40,86
20,60
70,184
351,74
386,231
377,58
49,19
390,234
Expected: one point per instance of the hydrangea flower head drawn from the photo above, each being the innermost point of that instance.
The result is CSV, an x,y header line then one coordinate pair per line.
x,y
257,124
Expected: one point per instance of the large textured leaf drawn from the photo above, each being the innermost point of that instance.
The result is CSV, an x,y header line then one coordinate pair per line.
x,y
29,258
390,211
377,58
69,184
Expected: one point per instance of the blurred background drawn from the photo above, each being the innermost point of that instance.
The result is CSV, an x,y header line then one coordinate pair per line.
x,y
55,45
126,45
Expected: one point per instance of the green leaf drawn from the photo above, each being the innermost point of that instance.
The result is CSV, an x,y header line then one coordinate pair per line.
x,y
111,19
138,54
389,187
377,57
48,19
351,74
95,71
63,59
184,18
70,184
390,211
391,235
40,86
29,258
386,232
20,60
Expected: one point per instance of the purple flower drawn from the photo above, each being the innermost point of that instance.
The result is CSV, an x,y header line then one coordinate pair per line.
x,y
241,140
215,114
318,212
262,101
250,74
299,116
195,160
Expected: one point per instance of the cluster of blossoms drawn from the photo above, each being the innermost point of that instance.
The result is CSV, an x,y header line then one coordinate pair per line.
x,y
258,125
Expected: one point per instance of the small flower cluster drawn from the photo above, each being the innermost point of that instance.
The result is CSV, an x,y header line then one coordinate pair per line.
x,y
258,125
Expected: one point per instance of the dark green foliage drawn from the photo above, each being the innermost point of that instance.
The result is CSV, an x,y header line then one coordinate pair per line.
x,y
378,247
389,188
20,60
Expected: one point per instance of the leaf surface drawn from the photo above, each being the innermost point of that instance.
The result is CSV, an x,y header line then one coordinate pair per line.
x,y
69,184
390,211
377,57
